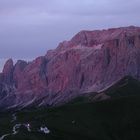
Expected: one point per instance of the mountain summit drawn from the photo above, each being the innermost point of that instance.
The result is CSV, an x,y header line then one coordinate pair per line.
x,y
90,61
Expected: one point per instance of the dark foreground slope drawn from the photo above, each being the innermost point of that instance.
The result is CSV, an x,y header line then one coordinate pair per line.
x,y
107,120
127,86
113,119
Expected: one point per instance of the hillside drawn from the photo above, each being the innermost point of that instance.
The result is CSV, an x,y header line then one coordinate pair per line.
x,y
117,118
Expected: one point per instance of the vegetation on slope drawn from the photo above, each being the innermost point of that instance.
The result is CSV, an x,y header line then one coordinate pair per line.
x,y
113,119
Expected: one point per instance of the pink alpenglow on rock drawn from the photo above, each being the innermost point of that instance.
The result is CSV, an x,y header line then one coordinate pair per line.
x,y
89,62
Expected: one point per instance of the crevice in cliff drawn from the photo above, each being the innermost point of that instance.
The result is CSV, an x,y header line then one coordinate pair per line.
x,y
117,42
43,71
107,56
85,39
131,42
139,37
82,80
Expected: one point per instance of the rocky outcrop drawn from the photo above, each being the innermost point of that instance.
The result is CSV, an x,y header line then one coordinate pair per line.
x,y
8,72
33,78
18,71
90,61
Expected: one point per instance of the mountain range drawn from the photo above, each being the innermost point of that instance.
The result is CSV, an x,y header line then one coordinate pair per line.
x,y
89,65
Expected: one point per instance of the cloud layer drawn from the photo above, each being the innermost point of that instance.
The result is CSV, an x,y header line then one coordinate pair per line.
x,y
30,27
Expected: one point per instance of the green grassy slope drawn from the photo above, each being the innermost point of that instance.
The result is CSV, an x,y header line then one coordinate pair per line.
x,y
115,119
125,87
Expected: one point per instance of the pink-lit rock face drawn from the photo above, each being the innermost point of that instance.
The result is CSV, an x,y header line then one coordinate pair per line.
x,y
8,71
94,59
90,61
18,72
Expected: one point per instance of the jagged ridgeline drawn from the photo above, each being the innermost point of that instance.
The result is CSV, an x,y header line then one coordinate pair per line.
x,y
90,62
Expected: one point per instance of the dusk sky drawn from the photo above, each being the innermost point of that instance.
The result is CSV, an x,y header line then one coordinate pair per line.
x,y
28,28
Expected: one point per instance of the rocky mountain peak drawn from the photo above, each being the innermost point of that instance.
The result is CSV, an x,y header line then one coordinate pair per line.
x,y
8,71
8,67
90,61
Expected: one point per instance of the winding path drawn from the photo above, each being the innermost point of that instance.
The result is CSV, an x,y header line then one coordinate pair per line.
x,y
16,128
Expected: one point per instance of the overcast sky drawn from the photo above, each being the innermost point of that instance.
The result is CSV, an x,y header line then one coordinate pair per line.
x,y
28,28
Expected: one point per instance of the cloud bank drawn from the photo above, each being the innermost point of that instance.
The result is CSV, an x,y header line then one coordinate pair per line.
x,y
28,28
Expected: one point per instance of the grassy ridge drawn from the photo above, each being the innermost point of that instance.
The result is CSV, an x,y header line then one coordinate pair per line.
x,y
114,119
5,123
117,119
125,87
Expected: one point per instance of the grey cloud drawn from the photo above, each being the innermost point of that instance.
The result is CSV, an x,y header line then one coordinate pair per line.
x,y
29,28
